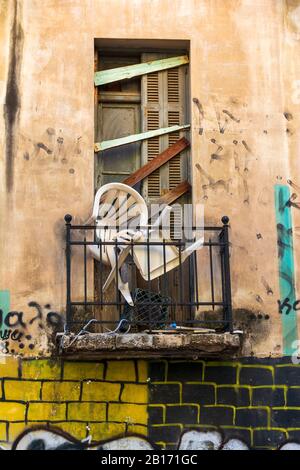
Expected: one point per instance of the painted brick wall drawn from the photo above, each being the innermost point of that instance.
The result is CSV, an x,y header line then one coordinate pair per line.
x,y
102,399
255,401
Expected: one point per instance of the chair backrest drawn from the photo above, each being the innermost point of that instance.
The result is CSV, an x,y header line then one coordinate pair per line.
x,y
118,206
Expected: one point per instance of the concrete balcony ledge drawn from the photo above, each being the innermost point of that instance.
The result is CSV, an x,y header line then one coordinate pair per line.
x,y
144,345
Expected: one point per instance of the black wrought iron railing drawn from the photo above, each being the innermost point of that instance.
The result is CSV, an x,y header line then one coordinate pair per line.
x,y
196,294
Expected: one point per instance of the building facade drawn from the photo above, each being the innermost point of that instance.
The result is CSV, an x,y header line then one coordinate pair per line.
x,y
240,94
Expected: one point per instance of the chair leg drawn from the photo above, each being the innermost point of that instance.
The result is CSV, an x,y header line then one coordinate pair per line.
x,y
122,286
112,273
195,246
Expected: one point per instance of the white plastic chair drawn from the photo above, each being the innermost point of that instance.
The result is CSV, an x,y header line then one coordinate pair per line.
x,y
162,257
116,206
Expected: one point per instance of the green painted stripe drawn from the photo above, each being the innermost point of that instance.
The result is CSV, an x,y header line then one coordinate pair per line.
x,y
286,266
136,70
4,305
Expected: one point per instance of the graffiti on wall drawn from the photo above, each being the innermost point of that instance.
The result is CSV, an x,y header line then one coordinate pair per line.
x,y
286,266
16,327
286,306
40,438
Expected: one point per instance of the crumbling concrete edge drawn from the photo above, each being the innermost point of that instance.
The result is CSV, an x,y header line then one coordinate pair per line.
x,y
145,345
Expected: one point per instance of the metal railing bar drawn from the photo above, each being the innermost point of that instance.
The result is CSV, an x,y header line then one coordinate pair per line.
x,y
170,304
101,273
151,243
145,227
85,272
211,274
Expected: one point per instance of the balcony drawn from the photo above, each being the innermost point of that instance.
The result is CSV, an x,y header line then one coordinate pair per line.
x,y
185,312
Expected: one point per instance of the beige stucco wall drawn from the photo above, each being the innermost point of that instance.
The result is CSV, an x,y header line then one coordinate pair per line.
x,y
243,59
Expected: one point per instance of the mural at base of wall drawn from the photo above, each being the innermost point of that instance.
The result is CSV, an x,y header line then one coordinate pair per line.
x,y
241,404
41,438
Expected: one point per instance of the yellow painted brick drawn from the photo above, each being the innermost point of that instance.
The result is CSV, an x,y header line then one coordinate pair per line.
x,y
76,430
14,430
137,429
41,369
127,413
12,411
103,431
134,393
100,391
42,424
83,370
3,436
22,390
87,411
9,367
142,371
47,411
121,371
60,391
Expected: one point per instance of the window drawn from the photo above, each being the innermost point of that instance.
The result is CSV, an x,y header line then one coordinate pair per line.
x,y
145,103
149,102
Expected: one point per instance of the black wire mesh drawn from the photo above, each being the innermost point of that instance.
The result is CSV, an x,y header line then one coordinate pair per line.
x,y
150,309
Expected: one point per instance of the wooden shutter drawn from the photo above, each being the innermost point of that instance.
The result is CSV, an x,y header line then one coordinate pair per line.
x,y
163,105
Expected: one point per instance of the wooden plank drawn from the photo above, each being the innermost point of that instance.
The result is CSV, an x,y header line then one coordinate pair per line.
x,y
168,198
174,193
108,144
157,162
130,71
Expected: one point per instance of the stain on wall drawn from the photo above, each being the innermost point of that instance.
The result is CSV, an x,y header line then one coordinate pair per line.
x,y
13,95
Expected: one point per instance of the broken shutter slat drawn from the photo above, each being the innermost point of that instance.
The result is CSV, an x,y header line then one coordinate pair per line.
x,y
108,144
124,73
157,162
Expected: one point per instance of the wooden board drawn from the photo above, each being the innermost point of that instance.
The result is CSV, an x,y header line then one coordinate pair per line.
x,y
108,144
168,198
157,162
174,193
124,73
